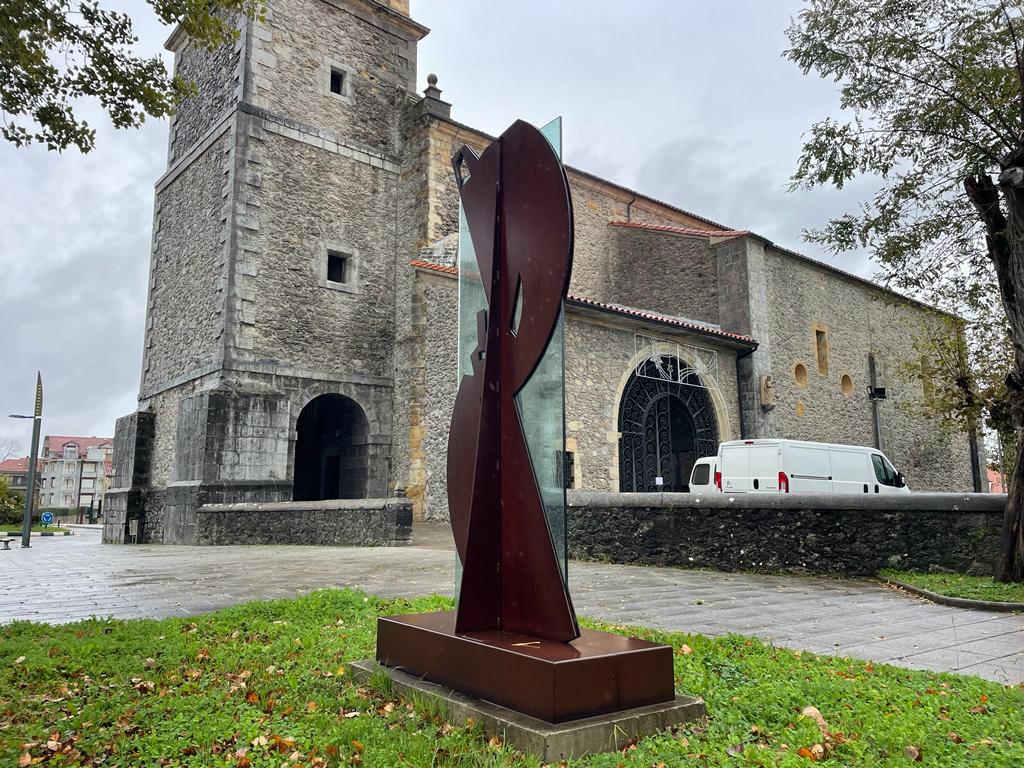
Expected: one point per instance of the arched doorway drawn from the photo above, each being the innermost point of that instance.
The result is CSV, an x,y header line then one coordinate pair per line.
x,y
666,422
331,451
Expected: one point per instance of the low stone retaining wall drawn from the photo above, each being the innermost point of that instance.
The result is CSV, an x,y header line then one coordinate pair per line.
x,y
355,522
817,533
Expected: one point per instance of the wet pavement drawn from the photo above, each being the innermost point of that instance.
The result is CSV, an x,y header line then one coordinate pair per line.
x,y
64,579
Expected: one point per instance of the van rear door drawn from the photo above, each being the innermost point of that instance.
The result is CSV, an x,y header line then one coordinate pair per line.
x,y
765,463
735,468
809,469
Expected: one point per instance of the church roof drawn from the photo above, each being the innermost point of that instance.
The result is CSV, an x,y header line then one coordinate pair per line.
x,y
573,299
724,233
715,229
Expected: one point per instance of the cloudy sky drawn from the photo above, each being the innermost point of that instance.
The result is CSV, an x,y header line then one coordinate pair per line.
x,y
688,101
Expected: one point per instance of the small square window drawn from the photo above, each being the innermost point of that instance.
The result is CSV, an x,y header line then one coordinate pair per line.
x,y
337,267
337,81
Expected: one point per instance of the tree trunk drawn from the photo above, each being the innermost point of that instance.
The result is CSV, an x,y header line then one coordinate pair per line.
x,y
1005,240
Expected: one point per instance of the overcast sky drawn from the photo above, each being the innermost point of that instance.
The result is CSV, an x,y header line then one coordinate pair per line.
x,y
688,101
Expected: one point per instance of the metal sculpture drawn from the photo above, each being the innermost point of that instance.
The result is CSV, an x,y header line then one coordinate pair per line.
x,y
517,206
514,640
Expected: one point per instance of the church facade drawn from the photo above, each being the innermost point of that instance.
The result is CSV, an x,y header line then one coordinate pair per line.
x,y
301,340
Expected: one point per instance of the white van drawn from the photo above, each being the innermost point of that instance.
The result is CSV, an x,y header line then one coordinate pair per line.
x,y
702,477
795,466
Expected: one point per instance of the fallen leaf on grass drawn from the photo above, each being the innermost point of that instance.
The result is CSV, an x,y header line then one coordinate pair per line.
x,y
913,754
685,650
954,737
19,660
25,759
979,710
816,716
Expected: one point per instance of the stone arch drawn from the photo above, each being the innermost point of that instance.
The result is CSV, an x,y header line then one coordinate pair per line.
x,y
664,424
332,454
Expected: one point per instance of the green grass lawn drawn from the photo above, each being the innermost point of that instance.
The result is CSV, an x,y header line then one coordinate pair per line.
x,y
267,684
959,585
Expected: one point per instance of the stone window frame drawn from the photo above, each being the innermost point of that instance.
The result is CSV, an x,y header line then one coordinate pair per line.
x,y
853,387
346,82
819,328
806,377
351,254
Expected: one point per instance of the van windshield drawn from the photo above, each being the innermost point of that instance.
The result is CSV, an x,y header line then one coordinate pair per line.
x,y
701,474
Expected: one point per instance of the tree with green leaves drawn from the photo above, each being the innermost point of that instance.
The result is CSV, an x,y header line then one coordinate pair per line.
x,y
53,53
12,505
932,97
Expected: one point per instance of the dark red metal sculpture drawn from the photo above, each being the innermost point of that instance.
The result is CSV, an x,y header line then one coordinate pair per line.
x,y
516,200
514,639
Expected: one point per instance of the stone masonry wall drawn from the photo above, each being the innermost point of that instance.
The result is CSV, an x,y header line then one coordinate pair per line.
x,y
294,50
440,297
315,200
599,361
596,273
215,76
857,320
817,533
184,319
337,522
668,273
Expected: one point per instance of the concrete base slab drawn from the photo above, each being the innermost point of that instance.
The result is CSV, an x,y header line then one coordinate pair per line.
x,y
546,741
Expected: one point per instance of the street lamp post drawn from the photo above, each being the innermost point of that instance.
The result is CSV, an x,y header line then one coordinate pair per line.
x,y
37,418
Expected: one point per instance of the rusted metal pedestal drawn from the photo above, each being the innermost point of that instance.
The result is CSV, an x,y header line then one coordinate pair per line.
x,y
596,674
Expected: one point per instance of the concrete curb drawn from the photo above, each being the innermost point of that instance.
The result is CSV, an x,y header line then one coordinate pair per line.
x,y
957,602
17,534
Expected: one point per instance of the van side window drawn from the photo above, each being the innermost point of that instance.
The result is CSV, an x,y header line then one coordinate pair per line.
x,y
701,474
884,472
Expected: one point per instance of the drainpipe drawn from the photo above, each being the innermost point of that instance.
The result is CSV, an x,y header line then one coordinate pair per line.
x,y
629,207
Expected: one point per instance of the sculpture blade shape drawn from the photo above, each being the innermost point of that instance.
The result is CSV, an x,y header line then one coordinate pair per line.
x,y
516,200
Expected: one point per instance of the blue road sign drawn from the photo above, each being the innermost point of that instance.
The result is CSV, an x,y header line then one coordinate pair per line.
x,y
47,518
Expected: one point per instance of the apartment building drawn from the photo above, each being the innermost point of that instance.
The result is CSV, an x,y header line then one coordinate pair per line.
x,y
76,471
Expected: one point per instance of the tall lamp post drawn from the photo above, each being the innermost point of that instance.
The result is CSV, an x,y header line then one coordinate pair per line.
x,y
37,418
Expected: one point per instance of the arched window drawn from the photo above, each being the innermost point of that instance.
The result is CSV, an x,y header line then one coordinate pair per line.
x,y
666,424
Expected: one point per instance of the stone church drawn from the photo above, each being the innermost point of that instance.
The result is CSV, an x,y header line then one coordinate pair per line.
x,y
300,338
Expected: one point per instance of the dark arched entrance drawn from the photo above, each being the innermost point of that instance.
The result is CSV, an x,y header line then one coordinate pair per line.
x,y
666,422
331,452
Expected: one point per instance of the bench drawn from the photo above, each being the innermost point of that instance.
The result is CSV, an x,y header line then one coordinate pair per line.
x,y
7,542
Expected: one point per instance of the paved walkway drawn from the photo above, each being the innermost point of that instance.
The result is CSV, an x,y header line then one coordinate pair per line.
x,y
67,578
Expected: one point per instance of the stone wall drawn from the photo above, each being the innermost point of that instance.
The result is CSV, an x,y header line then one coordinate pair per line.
x,y
133,446
857,320
359,523
665,272
184,321
294,50
313,201
798,534
216,79
599,361
440,299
